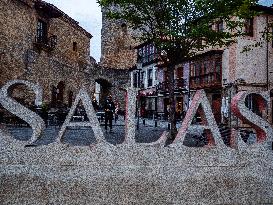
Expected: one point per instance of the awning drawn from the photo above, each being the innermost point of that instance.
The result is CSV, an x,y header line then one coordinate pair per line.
x,y
151,92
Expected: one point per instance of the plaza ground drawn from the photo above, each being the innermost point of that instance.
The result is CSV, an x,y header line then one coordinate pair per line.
x,y
84,136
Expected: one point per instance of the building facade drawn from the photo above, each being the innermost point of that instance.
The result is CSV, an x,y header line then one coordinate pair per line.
x,y
152,80
40,43
223,72
144,76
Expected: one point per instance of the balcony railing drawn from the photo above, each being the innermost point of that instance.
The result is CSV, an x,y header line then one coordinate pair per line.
x,y
208,80
179,86
46,43
149,59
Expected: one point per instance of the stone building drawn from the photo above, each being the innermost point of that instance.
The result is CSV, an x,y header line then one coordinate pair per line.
x,y
40,43
117,43
118,56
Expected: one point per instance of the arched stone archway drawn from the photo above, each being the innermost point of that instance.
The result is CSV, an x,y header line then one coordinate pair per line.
x,y
22,93
53,96
102,90
60,92
114,80
57,94
70,98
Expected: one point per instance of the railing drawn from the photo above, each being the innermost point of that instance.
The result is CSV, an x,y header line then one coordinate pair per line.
x,y
164,87
207,80
149,59
47,43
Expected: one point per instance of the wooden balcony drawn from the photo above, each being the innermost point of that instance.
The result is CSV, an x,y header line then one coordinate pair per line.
x,y
43,43
179,87
210,80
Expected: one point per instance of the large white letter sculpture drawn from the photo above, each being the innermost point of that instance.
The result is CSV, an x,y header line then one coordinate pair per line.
x,y
93,121
200,98
130,128
35,121
261,126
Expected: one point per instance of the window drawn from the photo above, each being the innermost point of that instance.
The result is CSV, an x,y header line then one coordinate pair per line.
x,y
135,80
206,71
220,26
142,77
42,31
218,68
249,27
192,70
75,46
156,75
179,73
140,55
252,103
146,54
151,52
198,73
124,28
150,77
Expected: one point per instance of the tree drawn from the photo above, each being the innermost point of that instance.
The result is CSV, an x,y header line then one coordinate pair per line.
x,y
181,28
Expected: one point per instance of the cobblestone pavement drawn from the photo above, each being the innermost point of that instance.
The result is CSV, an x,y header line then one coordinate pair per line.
x,y
84,136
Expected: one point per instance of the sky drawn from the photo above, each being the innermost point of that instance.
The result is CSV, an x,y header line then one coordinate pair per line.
x,y
88,14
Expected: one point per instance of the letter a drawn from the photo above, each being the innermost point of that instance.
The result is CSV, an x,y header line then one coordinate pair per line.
x,y
93,121
200,98
130,128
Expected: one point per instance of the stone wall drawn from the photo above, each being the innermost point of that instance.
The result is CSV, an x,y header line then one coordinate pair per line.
x,y
21,58
117,44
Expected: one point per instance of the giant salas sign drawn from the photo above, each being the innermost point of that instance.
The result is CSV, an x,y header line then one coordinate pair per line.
x,y
262,127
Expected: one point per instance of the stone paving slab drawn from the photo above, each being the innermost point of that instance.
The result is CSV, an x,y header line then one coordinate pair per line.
x,y
131,173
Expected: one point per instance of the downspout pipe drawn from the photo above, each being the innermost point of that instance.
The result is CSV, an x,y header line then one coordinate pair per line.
x,y
267,54
267,64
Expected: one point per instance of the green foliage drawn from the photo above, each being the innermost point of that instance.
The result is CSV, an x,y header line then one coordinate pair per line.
x,y
182,27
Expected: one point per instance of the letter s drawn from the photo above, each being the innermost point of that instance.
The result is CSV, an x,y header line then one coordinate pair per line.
x,y
261,126
34,120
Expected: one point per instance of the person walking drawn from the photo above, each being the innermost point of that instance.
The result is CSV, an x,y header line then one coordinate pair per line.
x,y
109,109
95,104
